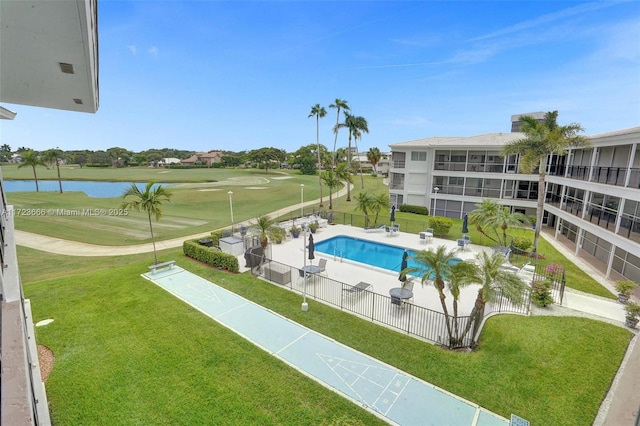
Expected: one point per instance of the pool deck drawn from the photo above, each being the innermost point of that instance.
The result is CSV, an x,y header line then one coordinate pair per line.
x,y
350,272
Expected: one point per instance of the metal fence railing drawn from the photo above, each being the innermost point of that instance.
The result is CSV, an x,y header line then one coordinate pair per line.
x,y
408,318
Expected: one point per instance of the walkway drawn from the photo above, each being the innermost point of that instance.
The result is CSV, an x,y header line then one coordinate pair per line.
x,y
391,394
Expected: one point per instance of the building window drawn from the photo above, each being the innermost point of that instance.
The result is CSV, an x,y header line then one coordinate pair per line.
x,y
418,156
398,159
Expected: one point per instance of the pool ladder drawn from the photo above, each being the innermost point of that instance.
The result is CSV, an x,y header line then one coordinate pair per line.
x,y
336,253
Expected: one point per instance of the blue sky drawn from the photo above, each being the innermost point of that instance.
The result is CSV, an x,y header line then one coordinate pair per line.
x,y
204,75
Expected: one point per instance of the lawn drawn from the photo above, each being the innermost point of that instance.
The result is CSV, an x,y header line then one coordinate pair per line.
x,y
127,351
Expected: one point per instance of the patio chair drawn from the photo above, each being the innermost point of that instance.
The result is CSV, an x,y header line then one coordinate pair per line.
x,y
378,228
387,230
323,266
356,289
396,301
409,286
461,244
423,238
301,277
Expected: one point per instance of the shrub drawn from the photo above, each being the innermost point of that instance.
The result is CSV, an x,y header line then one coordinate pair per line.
x,y
276,234
521,243
215,237
625,287
414,209
541,293
210,255
440,225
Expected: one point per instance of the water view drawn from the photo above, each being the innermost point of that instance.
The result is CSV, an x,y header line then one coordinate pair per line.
x,y
93,189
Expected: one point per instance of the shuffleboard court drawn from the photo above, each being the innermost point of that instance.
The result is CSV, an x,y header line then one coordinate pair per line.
x,y
382,389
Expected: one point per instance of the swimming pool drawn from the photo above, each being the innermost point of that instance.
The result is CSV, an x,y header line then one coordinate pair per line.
x,y
368,252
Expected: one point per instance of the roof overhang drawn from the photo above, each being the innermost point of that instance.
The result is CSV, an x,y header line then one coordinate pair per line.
x,y
6,114
49,54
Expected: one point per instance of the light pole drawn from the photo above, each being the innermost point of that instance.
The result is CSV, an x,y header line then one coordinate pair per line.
x,y
435,199
305,305
301,200
231,208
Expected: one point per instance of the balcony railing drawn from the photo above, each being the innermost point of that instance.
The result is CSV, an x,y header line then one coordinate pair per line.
x,y
398,164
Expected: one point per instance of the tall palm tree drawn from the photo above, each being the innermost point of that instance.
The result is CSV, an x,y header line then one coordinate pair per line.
x,y
343,173
541,140
374,155
355,125
460,275
150,201
30,158
435,266
493,216
363,127
318,112
495,283
338,105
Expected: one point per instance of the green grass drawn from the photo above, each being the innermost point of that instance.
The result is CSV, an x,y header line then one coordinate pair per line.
x,y
127,351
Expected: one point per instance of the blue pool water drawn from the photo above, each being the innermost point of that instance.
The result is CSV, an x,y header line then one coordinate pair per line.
x,y
368,252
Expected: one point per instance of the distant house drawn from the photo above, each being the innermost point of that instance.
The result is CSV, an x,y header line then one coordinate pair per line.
x,y
207,158
16,158
167,161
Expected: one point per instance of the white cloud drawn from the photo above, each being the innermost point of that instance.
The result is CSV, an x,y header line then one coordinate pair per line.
x,y
132,49
153,51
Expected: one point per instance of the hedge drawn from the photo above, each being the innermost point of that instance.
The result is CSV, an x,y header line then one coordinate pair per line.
x,y
210,255
414,209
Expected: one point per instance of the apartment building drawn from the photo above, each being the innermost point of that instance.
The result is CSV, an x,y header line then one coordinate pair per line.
x,y
592,196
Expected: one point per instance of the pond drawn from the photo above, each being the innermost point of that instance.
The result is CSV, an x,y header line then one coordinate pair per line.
x,y
93,189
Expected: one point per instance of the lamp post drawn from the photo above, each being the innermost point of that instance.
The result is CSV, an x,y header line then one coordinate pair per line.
x,y
435,199
305,305
231,208
301,200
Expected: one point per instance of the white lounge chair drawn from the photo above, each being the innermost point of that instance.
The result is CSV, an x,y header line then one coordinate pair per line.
x,y
378,228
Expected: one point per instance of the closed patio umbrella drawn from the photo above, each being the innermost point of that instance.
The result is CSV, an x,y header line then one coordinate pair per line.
x,y
465,224
403,266
393,214
311,248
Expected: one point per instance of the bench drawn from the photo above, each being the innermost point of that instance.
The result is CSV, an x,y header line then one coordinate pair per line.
x,y
168,263
356,289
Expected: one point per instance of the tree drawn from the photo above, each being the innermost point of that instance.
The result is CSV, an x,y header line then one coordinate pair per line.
x,y
493,216
263,226
495,283
378,203
363,203
267,156
355,125
150,201
435,265
5,152
541,140
118,156
53,156
338,105
374,155
318,112
344,174
30,158
330,179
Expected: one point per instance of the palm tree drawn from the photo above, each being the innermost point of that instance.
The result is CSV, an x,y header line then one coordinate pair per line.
x,y
541,140
53,156
460,275
374,155
491,215
356,125
319,112
339,104
150,201
343,173
434,265
30,158
263,228
378,203
495,283
331,180
364,202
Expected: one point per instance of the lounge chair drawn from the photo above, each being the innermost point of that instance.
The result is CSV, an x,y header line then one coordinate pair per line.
x,y
354,290
378,228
